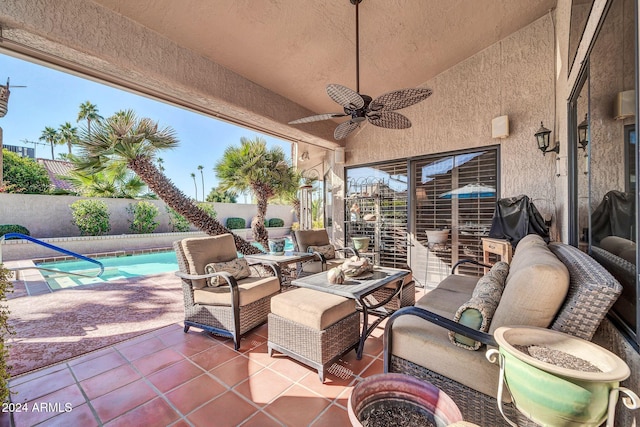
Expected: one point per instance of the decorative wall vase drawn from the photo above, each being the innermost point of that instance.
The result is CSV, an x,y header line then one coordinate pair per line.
x,y
553,395
361,243
394,394
276,246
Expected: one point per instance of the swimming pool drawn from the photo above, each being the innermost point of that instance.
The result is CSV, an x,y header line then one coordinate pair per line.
x,y
115,268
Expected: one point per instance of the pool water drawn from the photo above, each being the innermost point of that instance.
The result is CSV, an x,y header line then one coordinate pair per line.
x,y
115,268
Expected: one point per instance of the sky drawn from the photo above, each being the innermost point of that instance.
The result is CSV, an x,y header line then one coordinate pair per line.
x,y
52,98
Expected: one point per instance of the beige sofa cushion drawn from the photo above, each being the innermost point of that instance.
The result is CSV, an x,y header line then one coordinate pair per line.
x,y
428,345
536,287
315,309
250,289
200,251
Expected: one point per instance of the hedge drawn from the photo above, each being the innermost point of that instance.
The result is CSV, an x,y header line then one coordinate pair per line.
x,y
235,223
13,228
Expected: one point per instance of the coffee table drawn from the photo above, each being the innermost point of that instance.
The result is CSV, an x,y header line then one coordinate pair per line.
x,y
283,261
360,289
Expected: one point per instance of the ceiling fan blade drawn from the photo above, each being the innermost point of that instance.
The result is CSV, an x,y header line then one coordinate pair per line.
x,y
316,118
389,120
344,96
344,129
399,99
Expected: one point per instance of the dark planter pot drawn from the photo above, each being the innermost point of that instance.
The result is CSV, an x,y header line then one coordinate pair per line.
x,y
403,397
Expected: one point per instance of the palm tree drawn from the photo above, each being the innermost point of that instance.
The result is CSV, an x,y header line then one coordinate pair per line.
x,y
51,136
253,167
68,135
193,175
200,168
125,139
88,112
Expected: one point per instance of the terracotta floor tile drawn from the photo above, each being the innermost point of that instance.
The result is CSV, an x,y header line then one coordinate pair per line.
x,y
331,388
42,386
213,357
157,361
261,419
260,355
91,355
93,367
117,402
139,348
194,393
356,366
334,416
44,407
108,381
156,412
263,387
297,406
291,368
227,410
236,370
174,375
30,376
193,345
377,367
79,416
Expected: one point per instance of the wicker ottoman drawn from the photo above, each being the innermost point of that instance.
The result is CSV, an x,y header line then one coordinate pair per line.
x,y
313,327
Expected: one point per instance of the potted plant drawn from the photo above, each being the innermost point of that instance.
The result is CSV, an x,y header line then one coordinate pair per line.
x,y
558,379
400,400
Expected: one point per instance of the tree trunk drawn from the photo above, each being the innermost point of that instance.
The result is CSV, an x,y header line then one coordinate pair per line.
x,y
260,233
175,199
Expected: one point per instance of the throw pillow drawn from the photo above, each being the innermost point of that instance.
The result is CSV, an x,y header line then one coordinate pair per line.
x,y
478,311
238,268
328,251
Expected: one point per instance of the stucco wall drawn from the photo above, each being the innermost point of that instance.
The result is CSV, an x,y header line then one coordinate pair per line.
x,y
514,77
50,216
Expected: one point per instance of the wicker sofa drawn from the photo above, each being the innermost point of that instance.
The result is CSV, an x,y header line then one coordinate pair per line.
x,y
555,286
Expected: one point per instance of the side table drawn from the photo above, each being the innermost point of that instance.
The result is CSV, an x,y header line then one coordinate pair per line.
x,y
499,247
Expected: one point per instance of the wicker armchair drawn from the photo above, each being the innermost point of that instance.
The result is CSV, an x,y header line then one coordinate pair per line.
x,y
230,309
302,239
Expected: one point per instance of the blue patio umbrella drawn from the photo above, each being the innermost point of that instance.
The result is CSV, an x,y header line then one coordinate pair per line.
x,y
470,191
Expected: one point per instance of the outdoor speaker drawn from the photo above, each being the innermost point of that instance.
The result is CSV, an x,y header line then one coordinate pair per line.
x,y
625,105
500,127
339,155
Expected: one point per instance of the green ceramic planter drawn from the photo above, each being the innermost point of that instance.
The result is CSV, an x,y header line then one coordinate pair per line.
x,y
554,396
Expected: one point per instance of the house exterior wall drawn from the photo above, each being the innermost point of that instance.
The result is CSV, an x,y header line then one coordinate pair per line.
x,y
513,77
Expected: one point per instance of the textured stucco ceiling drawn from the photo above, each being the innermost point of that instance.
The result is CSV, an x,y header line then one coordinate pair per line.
x,y
295,48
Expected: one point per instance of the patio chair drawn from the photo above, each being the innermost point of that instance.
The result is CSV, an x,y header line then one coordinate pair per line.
x,y
317,241
219,296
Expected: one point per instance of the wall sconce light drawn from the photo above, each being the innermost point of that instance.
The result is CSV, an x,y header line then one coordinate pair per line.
x,y
542,138
582,133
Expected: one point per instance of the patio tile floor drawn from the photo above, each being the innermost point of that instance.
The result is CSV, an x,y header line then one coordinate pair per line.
x,y
169,378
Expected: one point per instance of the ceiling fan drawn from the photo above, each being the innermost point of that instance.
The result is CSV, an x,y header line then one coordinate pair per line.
x,y
379,111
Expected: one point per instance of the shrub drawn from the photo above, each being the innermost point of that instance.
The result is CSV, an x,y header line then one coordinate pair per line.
x,y
5,329
235,223
144,217
13,228
276,222
91,217
177,222
209,209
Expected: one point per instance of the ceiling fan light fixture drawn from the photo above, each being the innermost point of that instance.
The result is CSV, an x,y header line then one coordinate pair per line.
x,y
379,111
